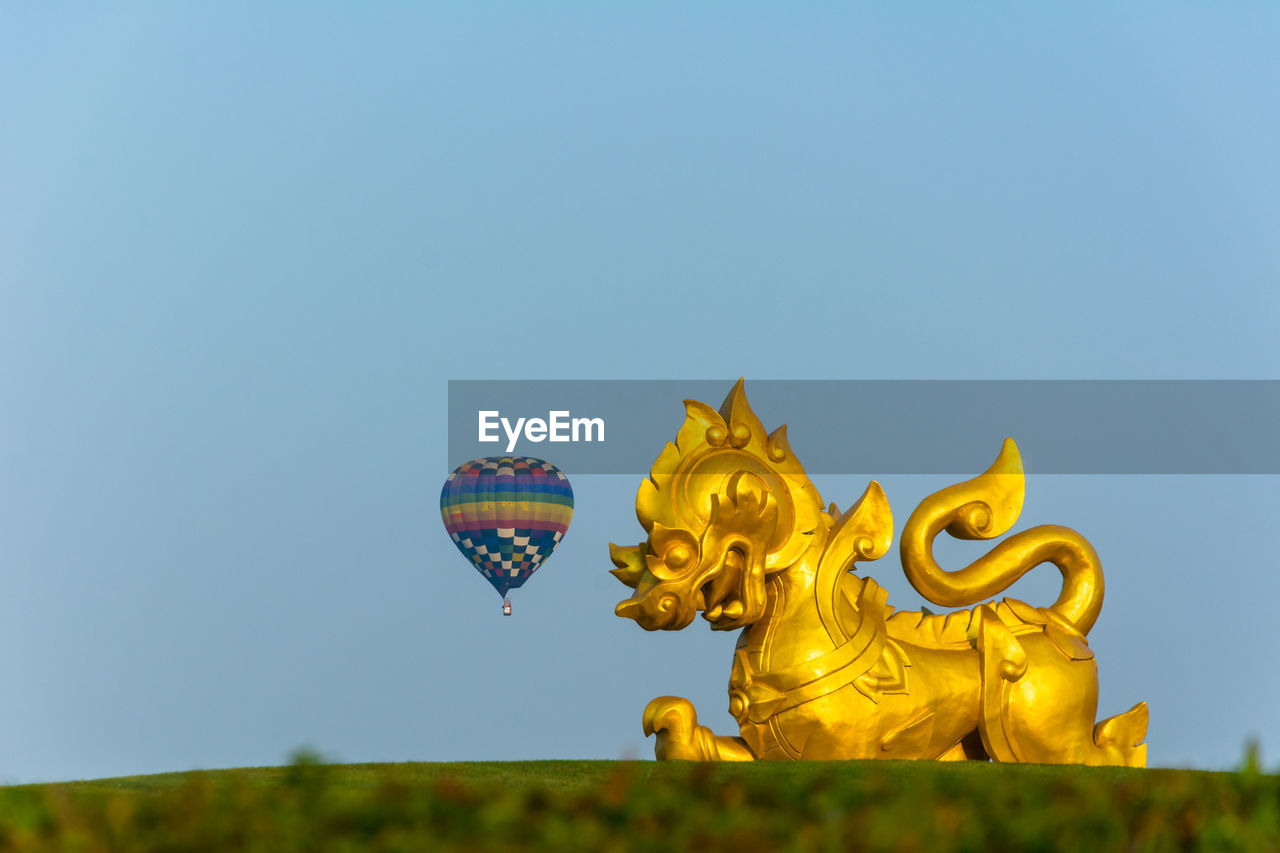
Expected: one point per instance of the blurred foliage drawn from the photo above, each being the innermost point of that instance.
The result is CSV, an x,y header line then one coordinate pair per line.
x,y
580,805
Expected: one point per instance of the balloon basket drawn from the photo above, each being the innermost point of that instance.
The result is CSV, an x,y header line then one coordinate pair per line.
x,y
506,607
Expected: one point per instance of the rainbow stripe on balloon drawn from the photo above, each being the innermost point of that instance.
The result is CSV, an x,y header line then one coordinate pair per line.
x,y
506,514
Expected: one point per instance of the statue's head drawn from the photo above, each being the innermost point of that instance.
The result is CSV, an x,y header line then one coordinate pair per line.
x,y
724,505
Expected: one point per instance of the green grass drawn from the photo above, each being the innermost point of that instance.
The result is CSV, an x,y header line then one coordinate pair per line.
x,y
590,805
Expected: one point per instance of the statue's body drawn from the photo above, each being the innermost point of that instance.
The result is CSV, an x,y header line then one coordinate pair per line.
x,y
824,668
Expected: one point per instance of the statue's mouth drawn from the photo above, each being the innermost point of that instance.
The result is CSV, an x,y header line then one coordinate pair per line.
x,y
721,603
718,591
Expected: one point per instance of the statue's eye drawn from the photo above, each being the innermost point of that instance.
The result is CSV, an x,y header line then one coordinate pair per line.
x,y
677,556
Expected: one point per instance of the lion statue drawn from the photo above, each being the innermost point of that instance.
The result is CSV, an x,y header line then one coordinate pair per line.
x,y
824,668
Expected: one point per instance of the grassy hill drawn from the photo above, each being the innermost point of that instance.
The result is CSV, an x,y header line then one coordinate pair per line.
x,y
603,805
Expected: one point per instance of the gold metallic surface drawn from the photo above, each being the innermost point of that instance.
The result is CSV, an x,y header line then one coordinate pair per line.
x,y
824,667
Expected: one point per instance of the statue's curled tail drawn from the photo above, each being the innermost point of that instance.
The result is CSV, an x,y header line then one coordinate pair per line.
x,y
984,508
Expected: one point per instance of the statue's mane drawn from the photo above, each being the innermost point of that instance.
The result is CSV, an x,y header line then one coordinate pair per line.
x,y
713,445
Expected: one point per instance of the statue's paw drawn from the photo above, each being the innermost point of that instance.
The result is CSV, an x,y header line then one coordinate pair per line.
x,y
675,722
671,714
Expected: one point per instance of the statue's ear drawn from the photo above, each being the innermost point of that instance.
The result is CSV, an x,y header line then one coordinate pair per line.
x,y
630,563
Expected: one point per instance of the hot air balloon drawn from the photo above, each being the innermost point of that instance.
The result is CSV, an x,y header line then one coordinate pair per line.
x,y
506,514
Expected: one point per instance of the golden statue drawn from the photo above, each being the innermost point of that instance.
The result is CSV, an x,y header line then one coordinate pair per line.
x,y
824,669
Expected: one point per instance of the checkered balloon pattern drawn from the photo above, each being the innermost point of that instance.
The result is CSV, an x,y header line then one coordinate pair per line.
x,y
506,514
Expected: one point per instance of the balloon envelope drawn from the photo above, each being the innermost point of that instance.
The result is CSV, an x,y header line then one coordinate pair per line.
x,y
506,514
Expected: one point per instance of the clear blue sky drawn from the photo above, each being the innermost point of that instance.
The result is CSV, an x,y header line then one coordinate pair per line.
x,y
242,251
